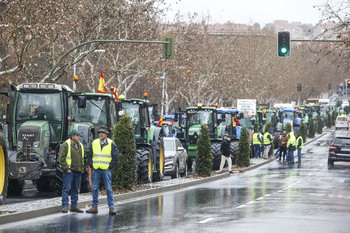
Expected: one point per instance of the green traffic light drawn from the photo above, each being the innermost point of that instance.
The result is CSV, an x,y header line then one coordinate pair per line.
x,y
283,50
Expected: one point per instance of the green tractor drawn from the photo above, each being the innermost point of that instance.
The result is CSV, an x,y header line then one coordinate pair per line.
x,y
37,123
208,116
149,138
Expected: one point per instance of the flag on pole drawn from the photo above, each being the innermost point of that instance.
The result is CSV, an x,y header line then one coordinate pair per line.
x,y
160,122
115,93
102,85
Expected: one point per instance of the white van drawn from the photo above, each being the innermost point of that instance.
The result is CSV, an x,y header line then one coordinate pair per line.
x,y
341,122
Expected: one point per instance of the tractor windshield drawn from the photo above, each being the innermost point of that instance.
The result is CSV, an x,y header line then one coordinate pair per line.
x,y
43,107
132,110
95,112
289,115
35,106
245,122
200,117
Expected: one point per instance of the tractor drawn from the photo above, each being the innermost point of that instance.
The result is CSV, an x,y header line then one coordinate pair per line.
x,y
196,116
36,124
149,138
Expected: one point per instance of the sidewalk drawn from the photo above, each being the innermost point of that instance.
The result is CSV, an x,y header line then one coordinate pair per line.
x,y
32,209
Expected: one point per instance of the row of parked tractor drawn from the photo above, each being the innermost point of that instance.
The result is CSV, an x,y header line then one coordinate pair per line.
x,y
40,115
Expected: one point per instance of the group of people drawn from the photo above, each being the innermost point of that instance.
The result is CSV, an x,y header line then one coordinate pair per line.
x,y
260,140
288,143
103,156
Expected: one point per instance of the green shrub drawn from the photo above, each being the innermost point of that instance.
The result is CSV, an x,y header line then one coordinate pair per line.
x,y
319,125
204,158
289,128
311,128
242,159
329,120
125,173
302,131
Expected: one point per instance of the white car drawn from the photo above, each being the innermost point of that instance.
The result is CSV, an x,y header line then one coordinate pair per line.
x,y
341,122
175,158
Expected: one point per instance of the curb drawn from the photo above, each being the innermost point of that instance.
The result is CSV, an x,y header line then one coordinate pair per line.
x,y
13,217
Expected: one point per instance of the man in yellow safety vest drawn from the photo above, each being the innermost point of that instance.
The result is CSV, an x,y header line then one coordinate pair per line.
x,y
103,157
257,144
71,160
299,144
291,148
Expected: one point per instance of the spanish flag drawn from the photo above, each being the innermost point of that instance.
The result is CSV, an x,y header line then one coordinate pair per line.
x,y
115,93
102,86
160,122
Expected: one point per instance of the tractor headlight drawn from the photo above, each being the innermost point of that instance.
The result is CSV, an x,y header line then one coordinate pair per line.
x,y
20,144
36,144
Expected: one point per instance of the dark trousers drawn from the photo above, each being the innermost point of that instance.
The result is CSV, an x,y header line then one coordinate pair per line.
x,y
71,182
282,150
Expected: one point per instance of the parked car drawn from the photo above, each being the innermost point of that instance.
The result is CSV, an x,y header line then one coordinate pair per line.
x,y
175,158
339,149
341,122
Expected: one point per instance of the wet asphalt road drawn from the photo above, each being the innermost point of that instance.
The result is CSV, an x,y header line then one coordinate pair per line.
x,y
276,197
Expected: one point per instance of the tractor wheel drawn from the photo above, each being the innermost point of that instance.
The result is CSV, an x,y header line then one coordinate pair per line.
x,y
234,151
159,176
276,139
216,150
45,184
4,170
15,187
145,165
85,186
59,180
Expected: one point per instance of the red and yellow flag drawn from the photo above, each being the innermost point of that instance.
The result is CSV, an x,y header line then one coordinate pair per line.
x,y
160,122
115,93
102,85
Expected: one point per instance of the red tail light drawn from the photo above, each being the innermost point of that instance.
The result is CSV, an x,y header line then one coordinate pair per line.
x,y
333,148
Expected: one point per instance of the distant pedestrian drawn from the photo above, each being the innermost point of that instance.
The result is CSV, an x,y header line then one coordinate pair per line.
x,y
257,144
299,145
268,139
291,148
283,139
235,123
71,160
103,157
226,154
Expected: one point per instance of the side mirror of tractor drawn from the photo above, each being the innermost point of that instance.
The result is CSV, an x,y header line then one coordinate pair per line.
x,y
81,101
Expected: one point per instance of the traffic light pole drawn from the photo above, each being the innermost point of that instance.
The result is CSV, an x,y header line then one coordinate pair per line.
x,y
53,70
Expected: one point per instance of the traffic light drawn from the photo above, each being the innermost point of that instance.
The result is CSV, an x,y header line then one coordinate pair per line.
x,y
283,44
329,86
299,87
348,84
168,49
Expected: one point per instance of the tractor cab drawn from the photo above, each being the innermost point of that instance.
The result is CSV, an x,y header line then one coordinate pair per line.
x,y
37,122
226,118
149,138
288,117
89,112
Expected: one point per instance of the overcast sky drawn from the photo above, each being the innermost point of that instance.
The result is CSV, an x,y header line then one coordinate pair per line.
x,y
251,11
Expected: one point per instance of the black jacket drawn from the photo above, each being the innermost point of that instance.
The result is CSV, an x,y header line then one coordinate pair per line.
x,y
115,156
225,148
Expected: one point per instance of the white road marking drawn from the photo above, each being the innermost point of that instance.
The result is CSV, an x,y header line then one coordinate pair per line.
x,y
260,198
251,202
241,206
206,220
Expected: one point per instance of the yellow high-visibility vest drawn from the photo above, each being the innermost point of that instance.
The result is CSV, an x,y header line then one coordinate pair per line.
x,y
266,140
69,158
297,142
256,141
101,158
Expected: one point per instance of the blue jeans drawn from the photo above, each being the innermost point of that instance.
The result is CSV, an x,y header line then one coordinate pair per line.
x,y
290,155
299,155
71,182
106,175
257,151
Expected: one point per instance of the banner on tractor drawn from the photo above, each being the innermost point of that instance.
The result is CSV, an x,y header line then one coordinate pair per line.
x,y
247,106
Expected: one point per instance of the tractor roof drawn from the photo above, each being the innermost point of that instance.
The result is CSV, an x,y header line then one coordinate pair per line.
x,y
201,108
42,87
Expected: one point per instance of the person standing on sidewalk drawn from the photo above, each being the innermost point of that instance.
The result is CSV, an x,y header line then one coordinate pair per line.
x,y
283,145
268,139
299,145
226,154
71,160
291,148
103,157
257,144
